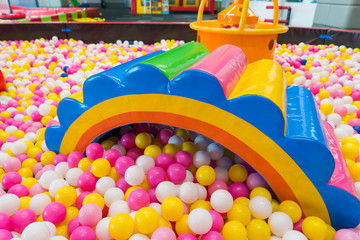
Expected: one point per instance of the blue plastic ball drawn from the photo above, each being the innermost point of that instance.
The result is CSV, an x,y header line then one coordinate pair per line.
x,y
357,128
131,42
65,68
63,75
303,61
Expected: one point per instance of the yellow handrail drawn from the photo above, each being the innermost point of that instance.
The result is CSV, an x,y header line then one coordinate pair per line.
x,y
201,10
244,13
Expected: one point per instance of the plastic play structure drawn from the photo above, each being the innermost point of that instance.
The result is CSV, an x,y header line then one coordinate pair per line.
x,y
145,6
239,26
245,107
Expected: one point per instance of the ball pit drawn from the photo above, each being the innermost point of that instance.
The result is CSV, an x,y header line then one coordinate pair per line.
x,y
151,180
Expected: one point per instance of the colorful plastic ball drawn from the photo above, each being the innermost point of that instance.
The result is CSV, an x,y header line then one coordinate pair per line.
x,y
94,151
11,164
280,223
260,191
292,209
119,206
187,236
90,214
217,221
47,157
19,190
87,181
172,209
94,198
238,190
164,160
48,177
9,204
201,158
142,140
171,149
83,233
152,150
36,231
123,163
112,195
103,184
293,235
238,173
138,198
176,173
221,201
216,151
146,220
255,180
5,221
155,176
39,202
146,162
100,167
163,233
5,234
164,190
66,195
134,175
346,234
10,179
128,140
74,159
205,175
55,212
22,219
102,229
349,150
314,228
258,229
200,221
181,226
188,192
134,152
112,155
260,207
183,158
139,236
177,140
73,224
234,230
239,212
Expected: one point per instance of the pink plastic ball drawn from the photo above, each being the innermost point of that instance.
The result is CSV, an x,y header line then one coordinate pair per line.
x,y
314,89
94,151
5,234
346,234
123,163
164,135
217,184
212,235
128,140
187,236
341,110
298,225
138,198
155,176
36,189
5,221
164,160
80,199
11,164
218,221
356,95
87,181
152,195
74,159
134,152
90,214
184,158
238,190
163,233
22,218
122,184
10,179
55,212
73,224
142,127
59,158
176,173
112,155
83,233
255,180
19,190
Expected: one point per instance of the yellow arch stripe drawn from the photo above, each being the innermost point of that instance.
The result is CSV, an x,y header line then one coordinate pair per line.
x,y
305,192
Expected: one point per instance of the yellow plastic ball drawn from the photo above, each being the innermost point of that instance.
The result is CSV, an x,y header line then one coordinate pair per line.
x,y
275,205
152,151
29,182
24,202
347,90
323,95
66,195
19,134
26,172
260,191
205,175
238,173
107,144
355,170
142,140
292,209
172,209
171,149
182,133
326,108
32,152
47,157
121,226
258,229
349,150
201,204
114,174
100,167
189,147
164,223
62,230
234,230
129,190
146,220
182,226
85,164
314,228
331,233
350,140
240,213
29,163
242,200
71,213
94,198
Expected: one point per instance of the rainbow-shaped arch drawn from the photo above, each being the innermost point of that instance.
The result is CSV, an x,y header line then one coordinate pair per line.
x,y
246,108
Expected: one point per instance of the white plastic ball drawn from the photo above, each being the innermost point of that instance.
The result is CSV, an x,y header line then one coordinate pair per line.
x,y
9,204
119,206
260,207
44,109
139,236
222,173
58,238
340,133
11,129
280,223
216,151
145,162
102,229
48,177
224,162
73,175
36,231
188,192
221,201
103,184
134,175
275,238
334,118
189,177
39,202
200,221
18,147
164,190
62,168
201,142
177,140
294,235
55,185
113,194
202,191
51,227
30,136
156,206
201,158
120,148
